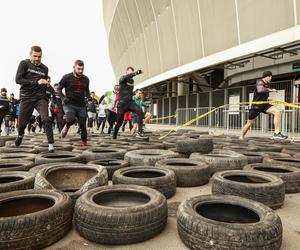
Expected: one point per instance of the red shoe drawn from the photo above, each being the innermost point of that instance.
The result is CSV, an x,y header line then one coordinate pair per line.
x,y
84,144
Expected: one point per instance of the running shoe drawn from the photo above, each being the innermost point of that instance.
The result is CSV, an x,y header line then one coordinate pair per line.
x,y
50,148
280,136
18,141
64,131
140,135
84,144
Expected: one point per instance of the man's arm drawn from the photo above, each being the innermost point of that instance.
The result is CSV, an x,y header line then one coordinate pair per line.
x,y
260,87
87,90
20,75
129,76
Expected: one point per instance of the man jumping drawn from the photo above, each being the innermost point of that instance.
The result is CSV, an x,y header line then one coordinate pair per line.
x,y
32,75
261,94
76,85
127,104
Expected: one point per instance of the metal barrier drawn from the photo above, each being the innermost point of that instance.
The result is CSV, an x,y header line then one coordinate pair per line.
x,y
233,119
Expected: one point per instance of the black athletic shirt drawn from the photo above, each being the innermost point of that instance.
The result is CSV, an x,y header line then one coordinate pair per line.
x,y
28,76
77,88
126,88
261,94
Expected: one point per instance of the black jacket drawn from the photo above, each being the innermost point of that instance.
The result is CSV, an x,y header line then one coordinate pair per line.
x,y
28,76
77,89
126,87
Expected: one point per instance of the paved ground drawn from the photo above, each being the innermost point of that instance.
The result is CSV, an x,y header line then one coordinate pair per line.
x,y
169,238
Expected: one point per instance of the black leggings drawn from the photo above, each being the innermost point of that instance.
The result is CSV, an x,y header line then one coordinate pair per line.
x,y
101,120
26,108
111,118
70,120
130,124
124,107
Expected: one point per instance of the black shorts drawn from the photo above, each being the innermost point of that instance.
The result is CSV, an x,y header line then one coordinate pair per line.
x,y
254,112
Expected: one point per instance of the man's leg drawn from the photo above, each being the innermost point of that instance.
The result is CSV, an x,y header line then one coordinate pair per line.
x,y
120,118
59,120
274,111
26,109
103,125
133,107
246,128
82,116
69,119
42,108
1,120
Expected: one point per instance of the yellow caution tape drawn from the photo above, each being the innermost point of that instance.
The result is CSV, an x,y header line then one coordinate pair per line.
x,y
292,105
162,118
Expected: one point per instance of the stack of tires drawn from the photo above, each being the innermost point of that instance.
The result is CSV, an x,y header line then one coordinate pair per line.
x,y
116,191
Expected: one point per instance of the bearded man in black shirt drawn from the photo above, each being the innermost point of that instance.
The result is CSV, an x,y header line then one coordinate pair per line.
x,y
76,85
32,76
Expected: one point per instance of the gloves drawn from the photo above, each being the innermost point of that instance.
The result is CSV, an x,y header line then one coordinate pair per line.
x,y
139,72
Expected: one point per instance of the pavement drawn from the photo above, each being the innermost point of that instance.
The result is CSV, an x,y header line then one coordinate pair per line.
x,y
169,239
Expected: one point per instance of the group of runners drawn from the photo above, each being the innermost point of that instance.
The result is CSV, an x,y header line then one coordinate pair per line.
x,y
41,105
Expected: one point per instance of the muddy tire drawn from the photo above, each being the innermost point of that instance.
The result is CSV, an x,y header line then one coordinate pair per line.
x,y
15,165
18,150
101,153
120,214
201,145
64,156
59,148
265,188
38,168
228,222
149,145
220,160
253,157
286,161
72,180
148,157
189,173
290,175
18,156
15,180
163,180
33,219
111,165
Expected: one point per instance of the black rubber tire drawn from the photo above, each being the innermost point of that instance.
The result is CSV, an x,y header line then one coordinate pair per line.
x,y
201,145
267,147
111,165
149,145
220,160
38,168
286,161
253,157
64,156
290,175
162,180
101,153
18,156
189,173
18,150
214,228
29,225
265,188
120,225
44,149
16,180
72,180
148,157
15,165
274,154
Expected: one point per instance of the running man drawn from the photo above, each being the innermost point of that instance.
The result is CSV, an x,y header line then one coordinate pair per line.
x,y
4,110
126,103
76,85
32,76
261,94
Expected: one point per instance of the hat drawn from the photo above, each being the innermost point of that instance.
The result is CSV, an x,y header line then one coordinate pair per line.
x,y
266,74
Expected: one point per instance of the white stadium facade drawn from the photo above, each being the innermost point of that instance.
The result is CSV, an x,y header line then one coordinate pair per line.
x,y
200,54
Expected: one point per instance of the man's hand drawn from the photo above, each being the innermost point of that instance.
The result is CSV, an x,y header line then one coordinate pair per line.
x,y
139,72
43,82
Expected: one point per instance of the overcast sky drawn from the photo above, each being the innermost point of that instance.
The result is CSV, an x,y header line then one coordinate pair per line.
x,y
65,29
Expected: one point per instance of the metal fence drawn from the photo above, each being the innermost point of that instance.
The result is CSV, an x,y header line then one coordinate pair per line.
x,y
228,119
